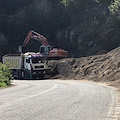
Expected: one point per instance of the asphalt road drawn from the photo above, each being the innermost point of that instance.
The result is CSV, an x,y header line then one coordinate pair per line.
x,y
57,100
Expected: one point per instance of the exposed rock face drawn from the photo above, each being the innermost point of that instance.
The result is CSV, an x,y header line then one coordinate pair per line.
x,y
84,44
80,28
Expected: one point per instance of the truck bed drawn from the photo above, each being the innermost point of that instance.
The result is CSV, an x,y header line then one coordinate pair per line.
x,y
13,60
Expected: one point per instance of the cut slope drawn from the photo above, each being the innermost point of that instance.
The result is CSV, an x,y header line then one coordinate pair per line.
x,y
104,67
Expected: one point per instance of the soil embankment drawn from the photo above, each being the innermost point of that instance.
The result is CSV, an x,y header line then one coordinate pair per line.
x,y
105,67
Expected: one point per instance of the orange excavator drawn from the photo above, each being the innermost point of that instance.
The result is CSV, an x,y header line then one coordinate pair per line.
x,y
45,49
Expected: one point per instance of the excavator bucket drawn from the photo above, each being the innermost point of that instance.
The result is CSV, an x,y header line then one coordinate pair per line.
x,y
20,49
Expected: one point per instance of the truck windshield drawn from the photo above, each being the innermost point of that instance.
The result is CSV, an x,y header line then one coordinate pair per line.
x,y
38,60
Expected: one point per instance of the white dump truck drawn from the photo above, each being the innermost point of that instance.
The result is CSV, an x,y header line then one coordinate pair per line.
x,y
28,65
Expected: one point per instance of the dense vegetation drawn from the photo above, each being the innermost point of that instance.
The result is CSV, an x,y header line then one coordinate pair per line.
x,y
83,27
5,76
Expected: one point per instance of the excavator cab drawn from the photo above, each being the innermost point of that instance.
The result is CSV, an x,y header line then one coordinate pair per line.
x,y
45,50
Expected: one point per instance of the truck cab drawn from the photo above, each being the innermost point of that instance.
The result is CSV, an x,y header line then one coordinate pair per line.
x,y
35,64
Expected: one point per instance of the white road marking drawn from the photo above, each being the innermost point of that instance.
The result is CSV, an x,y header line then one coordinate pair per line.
x,y
31,96
114,110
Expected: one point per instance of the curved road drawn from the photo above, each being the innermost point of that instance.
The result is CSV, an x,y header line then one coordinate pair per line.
x,y
57,100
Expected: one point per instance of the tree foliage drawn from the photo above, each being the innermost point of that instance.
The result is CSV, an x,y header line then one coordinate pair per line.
x,y
114,8
5,76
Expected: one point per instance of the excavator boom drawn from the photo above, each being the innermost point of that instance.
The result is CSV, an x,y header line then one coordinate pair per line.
x,y
34,35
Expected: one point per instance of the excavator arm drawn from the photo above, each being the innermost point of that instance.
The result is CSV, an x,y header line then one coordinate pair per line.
x,y
34,35
45,48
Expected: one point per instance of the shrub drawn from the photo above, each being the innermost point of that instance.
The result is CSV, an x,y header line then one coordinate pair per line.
x,y
5,75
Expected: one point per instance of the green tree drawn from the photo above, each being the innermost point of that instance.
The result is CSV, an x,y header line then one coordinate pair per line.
x,y
114,8
5,76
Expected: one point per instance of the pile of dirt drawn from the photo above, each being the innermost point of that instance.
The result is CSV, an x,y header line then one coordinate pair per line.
x,y
104,67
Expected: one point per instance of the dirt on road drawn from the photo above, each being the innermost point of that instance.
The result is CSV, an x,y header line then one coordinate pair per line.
x,y
100,68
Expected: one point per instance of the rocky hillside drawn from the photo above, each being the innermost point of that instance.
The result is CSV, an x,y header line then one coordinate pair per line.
x,y
83,27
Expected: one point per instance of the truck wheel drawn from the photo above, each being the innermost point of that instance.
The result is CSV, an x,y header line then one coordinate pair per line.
x,y
41,77
34,76
26,75
19,75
